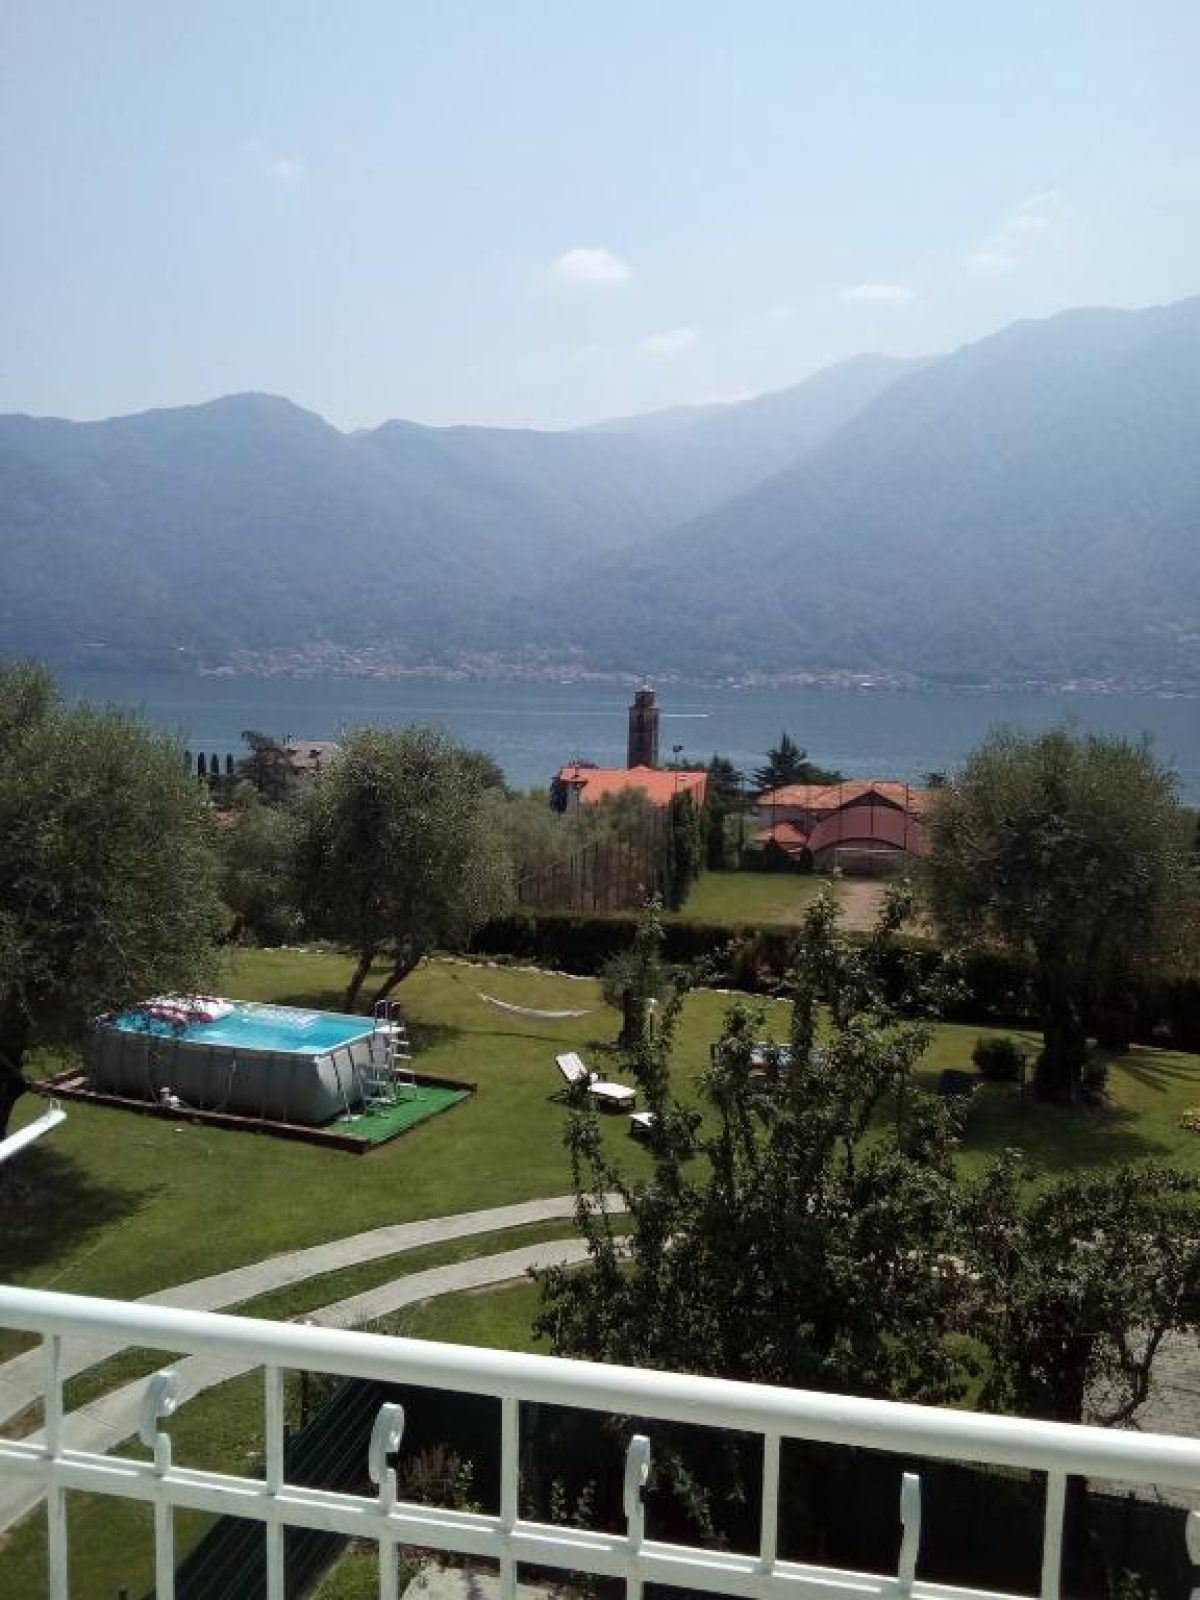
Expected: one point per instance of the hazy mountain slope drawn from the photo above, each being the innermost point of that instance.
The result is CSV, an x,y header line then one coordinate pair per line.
x,y
719,451
249,524
246,522
1026,508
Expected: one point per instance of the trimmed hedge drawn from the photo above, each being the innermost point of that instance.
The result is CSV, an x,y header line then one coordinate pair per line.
x,y
996,987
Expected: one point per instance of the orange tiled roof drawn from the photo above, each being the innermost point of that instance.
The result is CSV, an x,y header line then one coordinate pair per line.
x,y
789,836
660,787
832,796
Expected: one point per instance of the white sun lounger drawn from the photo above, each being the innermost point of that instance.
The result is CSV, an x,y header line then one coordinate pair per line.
x,y
616,1096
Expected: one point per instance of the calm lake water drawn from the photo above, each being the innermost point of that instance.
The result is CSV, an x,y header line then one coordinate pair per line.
x,y
532,729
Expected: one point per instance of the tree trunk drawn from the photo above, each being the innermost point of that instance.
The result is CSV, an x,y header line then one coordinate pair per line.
x,y
397,975
359,978
1059,1071
633,1020
13,1085
14,1041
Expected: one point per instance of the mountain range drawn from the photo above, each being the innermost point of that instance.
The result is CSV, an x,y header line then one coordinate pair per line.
x,y
1024,509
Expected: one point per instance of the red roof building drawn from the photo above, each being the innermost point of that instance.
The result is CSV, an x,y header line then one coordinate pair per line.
x,y
588,785
868,825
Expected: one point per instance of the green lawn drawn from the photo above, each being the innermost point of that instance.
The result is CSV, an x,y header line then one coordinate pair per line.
x,y
735,897
120,1204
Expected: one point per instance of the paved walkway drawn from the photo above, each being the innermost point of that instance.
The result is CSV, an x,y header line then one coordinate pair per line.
x,y
106,1421
22,1381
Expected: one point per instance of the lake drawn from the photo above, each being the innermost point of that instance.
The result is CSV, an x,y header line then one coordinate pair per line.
x,y
532,729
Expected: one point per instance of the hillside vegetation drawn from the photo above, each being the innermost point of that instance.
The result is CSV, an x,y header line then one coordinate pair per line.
x,y
1022,510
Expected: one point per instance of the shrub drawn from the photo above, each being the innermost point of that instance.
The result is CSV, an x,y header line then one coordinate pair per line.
x,y
999,1060
1094,1080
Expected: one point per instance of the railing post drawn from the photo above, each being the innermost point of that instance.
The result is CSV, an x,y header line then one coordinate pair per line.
x,y
56,1499
385,1441
273,1449
509,1484
158,1403
637,1473
910,1521
768,1547
1052,1535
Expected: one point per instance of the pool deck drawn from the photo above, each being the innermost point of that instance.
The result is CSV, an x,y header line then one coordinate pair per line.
x,y
357,1133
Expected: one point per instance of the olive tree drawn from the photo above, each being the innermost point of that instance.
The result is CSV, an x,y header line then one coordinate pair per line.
x,y
107,870
1078,1282
399,850
802,1248
1072,850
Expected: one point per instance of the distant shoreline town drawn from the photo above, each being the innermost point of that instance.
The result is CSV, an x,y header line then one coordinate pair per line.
x,y
332,662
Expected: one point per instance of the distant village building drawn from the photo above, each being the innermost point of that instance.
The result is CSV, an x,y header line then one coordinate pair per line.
x,y
586,785
582,783
642,749
308,756
862,825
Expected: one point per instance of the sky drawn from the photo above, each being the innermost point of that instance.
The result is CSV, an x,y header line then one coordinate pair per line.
x,y
546,212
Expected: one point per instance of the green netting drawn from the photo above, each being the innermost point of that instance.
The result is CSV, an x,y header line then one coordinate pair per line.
x,y
378,1123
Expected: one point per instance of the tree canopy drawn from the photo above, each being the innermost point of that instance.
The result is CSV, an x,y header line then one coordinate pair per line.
x,y
798,1250
788,763
1071,849
808,1224
108,886
398,850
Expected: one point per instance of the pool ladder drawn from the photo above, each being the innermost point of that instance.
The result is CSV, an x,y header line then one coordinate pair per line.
x,y
391,1078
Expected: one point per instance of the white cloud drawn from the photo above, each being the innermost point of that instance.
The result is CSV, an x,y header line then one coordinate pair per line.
x,y
882,293
673,343
269,164
286,169
1010,243
591,268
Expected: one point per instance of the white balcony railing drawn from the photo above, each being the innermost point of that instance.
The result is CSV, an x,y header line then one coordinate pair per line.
x,y
773,1414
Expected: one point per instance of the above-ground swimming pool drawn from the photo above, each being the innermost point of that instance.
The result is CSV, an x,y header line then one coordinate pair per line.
x,y
280,1063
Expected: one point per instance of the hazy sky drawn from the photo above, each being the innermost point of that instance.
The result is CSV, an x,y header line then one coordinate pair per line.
x,y
545,211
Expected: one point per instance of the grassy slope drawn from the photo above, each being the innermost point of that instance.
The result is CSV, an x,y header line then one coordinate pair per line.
x,y
752,896
125,1204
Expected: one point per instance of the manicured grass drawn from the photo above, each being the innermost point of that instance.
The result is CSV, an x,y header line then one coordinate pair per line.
x,y
296,1299
123,1204
496,1319
752,897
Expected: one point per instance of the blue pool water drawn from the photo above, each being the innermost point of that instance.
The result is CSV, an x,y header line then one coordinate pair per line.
x,y
253,1026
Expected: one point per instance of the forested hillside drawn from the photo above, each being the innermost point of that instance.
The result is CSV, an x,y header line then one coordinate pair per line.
x,y
1024,509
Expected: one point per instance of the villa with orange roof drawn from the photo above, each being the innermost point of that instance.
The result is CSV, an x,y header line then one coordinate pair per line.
x,y
863,825
587,785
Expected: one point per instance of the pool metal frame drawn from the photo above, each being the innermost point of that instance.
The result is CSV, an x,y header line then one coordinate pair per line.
x,y
73,1084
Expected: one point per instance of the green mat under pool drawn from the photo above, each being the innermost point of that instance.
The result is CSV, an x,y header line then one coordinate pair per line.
x,y
376,1124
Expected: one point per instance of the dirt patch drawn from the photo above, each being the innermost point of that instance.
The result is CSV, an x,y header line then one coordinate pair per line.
x,y
860,900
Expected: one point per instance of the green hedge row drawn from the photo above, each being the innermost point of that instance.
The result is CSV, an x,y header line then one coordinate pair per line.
x,y
996,988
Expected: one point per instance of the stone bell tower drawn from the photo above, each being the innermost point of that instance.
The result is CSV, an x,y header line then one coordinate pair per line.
x,y
643,729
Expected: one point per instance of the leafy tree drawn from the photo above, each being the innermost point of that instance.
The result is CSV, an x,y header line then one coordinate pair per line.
x,y
638,978
257,843
1077,1284
267,766
1073,851
798,1250
788,763
723,799
685,849
107,870
396,853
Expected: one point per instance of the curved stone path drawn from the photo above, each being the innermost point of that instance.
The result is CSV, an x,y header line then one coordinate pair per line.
x,y
112,1417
